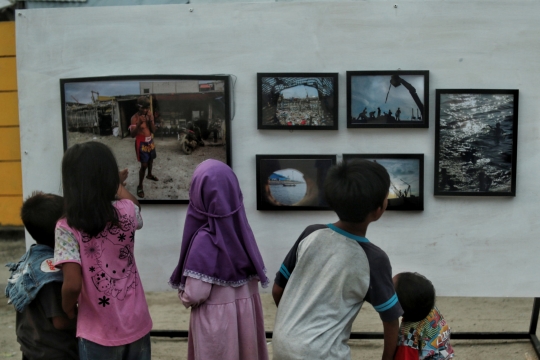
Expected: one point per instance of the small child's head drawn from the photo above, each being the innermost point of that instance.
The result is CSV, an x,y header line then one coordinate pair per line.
x,y
39,214
90,182
355,188
416,295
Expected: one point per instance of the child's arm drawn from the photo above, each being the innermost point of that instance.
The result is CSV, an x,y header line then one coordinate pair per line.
x,y
195,292
391,333
62,323
71,287
277,293
122,193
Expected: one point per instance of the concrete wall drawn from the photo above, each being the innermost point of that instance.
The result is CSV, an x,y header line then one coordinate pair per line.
x,y
468,246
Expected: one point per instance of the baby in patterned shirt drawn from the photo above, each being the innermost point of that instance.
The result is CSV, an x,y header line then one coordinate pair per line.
x,y
423,333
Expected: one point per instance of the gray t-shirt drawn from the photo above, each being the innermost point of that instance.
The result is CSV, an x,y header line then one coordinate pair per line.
x,y
38,337
327,275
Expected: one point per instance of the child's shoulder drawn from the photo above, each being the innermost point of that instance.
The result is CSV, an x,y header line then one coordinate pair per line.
x,y
124,205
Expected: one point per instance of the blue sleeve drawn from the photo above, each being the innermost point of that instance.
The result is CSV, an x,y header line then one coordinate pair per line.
x,y
381,293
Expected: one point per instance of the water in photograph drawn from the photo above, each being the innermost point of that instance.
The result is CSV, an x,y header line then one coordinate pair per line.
x,y
288,195
476,134
287,186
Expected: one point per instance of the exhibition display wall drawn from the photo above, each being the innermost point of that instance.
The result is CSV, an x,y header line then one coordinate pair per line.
x,y
467,245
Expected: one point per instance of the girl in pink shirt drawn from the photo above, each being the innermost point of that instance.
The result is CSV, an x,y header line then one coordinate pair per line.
x,y
95,249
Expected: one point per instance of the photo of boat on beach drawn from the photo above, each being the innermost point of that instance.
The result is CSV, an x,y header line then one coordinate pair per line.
x,y
292,182
406,178
476,142
388,99
300,101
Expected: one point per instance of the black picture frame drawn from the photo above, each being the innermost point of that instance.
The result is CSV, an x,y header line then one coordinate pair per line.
x,y
384,99
406,172
297,101
476,142
100,109
299,184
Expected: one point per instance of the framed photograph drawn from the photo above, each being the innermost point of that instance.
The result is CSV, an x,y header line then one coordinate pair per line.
x,y
292,182
406,178
299,101
476,142
166,123
388,99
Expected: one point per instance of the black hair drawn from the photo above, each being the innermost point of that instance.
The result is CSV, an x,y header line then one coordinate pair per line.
x,y
416,294
90,181
355,188
39,214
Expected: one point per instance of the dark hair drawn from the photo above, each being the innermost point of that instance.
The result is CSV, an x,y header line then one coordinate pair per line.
x,y
39,214
355,188
416,295
90,181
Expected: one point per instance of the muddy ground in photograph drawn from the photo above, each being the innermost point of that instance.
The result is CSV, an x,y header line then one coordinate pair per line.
x,y
172,167
463,315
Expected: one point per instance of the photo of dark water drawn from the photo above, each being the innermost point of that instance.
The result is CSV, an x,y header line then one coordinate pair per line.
x,y
475,142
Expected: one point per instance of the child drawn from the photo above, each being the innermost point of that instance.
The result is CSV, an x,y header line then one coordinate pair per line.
x,y
219,270
94,247
333,268
35,285
423,334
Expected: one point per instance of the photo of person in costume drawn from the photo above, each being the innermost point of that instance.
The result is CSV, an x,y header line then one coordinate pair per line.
x,y
142,129
424,333
219,270
35,286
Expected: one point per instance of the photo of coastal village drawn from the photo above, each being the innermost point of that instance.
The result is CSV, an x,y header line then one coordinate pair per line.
x,y
390,100
102,110
297,101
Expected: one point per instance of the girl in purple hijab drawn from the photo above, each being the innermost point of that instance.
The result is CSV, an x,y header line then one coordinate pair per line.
x,y
219,270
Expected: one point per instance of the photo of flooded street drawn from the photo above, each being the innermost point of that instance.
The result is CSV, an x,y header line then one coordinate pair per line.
x,y
476,143
303,101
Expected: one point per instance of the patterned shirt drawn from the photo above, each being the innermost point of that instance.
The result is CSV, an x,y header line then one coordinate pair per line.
x,y
428,339
112,305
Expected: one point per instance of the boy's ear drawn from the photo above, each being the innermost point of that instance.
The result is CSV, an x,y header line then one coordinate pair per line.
x,y
376,214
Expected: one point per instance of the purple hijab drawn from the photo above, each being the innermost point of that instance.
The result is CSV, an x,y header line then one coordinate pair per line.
x,y
218,245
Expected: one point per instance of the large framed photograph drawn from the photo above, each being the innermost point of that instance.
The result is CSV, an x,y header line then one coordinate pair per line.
x,y
299,101
164,125
476,142
406,178
388,99
292,182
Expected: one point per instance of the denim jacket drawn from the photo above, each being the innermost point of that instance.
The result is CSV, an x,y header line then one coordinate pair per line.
x,y
34,269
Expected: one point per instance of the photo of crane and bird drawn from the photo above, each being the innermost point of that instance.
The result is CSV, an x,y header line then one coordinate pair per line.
x,y
406,178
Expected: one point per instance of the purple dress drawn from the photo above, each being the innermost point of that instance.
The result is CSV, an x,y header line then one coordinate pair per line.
x,y
219,269
226,322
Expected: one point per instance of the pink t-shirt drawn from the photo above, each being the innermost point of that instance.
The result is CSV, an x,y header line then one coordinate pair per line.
x,y
112,307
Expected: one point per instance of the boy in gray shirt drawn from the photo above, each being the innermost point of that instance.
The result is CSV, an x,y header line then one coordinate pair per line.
x,y
332,269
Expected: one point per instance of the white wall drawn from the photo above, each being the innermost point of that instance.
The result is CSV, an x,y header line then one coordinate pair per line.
x,y
467,246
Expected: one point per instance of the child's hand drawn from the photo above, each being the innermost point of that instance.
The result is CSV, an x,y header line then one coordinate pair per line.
x,y
123,174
